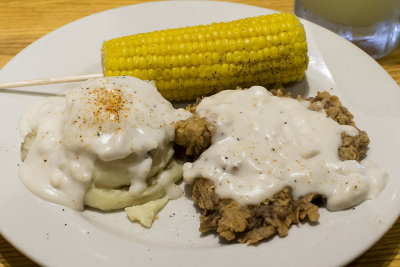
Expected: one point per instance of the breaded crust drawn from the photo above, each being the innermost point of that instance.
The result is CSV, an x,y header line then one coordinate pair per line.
x,y
253,223
194,134
353,147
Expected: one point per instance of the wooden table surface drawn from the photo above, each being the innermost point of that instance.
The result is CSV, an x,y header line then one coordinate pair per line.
x,y
24,21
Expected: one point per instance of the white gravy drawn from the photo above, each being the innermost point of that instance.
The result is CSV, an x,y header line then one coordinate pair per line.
x,y
263,143
106,119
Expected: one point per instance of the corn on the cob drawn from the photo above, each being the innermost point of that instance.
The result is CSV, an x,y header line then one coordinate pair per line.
x,y
186,63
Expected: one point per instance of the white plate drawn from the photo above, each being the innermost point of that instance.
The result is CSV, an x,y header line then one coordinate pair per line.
x,y
57,236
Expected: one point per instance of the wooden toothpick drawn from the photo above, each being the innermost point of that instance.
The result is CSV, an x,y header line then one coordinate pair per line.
x,y
77,78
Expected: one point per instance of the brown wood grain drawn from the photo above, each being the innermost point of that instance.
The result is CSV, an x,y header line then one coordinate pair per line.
x,y
24,21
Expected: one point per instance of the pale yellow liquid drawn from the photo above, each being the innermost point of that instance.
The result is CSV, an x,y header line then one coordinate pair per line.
x,y
357,13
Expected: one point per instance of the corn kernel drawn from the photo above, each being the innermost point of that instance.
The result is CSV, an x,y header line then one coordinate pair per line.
x,y
121,63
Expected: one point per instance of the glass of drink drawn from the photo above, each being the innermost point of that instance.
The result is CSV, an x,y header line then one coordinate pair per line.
x,y
373,25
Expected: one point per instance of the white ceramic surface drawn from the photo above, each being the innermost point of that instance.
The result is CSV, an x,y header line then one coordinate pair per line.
x,y
56,236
